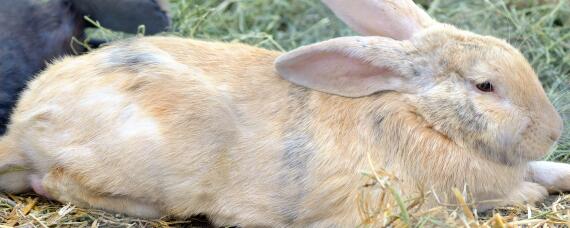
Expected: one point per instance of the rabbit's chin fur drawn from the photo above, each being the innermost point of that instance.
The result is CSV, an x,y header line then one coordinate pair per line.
x,y
169,126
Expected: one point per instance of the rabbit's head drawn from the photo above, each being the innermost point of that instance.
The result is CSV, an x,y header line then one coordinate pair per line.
x,y
478,91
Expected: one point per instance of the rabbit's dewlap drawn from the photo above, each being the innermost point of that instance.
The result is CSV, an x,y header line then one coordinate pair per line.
x,y
170,126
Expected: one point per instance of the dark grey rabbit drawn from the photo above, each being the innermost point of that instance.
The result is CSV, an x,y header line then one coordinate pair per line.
x,y
33,32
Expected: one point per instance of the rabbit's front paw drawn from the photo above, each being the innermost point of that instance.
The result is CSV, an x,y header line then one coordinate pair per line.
x,y
554,176
527,192
524,193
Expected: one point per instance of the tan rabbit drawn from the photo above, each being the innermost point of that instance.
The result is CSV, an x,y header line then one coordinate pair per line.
x,y
170,126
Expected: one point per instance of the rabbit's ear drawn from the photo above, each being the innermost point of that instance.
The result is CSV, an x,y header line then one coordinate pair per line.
x,y
349,66
397,19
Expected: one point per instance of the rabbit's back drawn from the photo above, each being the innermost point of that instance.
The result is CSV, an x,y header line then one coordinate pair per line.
x,y
158,73
166,115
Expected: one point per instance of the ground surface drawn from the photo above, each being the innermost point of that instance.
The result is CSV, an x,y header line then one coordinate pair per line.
x,y
540,28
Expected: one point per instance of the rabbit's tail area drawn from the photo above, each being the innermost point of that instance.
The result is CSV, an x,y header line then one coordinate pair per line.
x,y
14,170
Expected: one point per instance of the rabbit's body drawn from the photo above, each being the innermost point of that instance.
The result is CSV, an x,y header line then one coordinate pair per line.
x,y
248,145
171,126
241,155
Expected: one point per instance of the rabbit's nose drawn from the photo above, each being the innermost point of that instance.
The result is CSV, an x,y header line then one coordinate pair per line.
x,y
557,126
552,121
555,134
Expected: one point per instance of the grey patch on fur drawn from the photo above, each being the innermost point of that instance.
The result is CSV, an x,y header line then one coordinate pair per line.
x,y
493,154
471,124
422,68
470,46
470,118
416,72
378,120
297,146
377,124
124,56
138,86
444,63
298,150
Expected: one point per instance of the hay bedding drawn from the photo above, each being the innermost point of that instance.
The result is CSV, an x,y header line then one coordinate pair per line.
x,y
30,210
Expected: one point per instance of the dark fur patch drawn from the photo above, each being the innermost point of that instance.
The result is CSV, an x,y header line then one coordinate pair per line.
x,y
377,124
447,112
416,72
378,120
138,86
124,56
470,118
492,154
297,139
470,46
298,149
472,123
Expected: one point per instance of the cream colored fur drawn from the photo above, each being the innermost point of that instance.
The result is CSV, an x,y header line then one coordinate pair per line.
x,y
169,126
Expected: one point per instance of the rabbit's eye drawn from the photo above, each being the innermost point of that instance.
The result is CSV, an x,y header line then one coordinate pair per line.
x,y
485,87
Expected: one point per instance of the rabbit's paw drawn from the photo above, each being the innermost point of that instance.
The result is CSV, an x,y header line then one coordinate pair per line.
x,y
527,192
553,176
56,186
38,187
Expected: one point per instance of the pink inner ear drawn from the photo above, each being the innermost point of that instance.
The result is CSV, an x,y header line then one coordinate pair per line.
x,y
343,75
345,68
